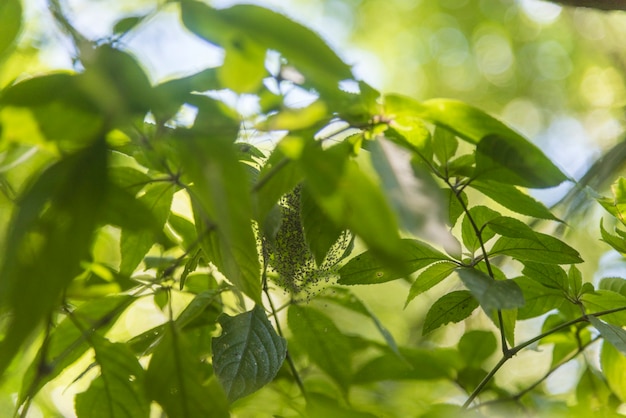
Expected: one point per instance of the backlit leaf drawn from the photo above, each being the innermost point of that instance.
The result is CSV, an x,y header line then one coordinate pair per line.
x,y
430,277
602,300
538,299
542,249
248,354
10,23
452,307
613,365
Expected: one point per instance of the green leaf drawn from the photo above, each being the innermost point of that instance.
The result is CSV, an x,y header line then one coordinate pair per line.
x,y
505,156
346,298
127,24
481,216
248,354
415,364
613,365
541,249
322,406
320,232
612,334
174,380
477,346
366,268
616,206
50,235
118,391
302,47
428,278
492,294
135,244
538,298
615,284
10,23
618,243
455,208
603,300
243,68
513,199
445,145
452,307
548,275
511,227
296,119
67,343
324,343
184,228
350,198
413,197
412,134
223,210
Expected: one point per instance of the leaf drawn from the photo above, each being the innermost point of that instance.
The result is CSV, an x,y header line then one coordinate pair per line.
x,y
615,284
366,268
452,307
603,300
302,47
411,134
10,23
428,278
412,193
350,198
174,380
248,354
481,215
492,294
67,343
612,334
220,195
618,243
118,391
477,346
127,24
415,364
616,206
538,298
613,365
323,342
322,406
542,249
135,244
501,149
346,298
455,208
296,119
513,199
445,145
50,235
548,275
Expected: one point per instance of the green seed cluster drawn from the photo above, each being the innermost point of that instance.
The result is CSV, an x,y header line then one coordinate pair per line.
x,y
289,256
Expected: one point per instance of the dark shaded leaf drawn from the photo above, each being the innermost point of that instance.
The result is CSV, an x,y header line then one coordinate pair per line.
x,y
366,268
248,354
492,294
477,346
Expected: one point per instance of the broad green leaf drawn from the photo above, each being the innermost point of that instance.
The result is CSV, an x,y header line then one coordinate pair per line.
x,y
302,47
50,235
415,364
612,334
481,215
296,119
118,391
243,68
346,298
505,155
492,294
603,300
67,343
223,210
615,284
173,93
366,268
412,134
174,380
184,228
445,145
455,208
350,198
45,89
126,24
10,23
513,199
592,391
616,206
323,342
135,244
542,249
322,406
511,227
413,197
613,365
248,354
575,281
618,243
452,307
430,277
549,275
538,299
477,346
320,232
123,210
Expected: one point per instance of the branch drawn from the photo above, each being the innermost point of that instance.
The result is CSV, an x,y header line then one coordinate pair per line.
x,y
594,4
